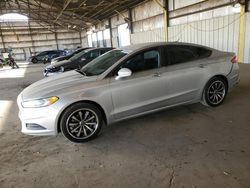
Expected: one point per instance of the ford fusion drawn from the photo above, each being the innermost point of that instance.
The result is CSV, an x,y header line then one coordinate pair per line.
x,y
125,83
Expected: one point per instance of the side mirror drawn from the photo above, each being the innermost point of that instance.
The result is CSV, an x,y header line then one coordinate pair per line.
x,y
124,72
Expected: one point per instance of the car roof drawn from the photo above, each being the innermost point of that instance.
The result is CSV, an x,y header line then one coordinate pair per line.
x,y
142,46
52,51
80,49
100,48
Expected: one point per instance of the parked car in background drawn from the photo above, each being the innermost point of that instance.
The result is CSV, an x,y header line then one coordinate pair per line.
x,y
75,62
57,59
1,62
38,58
121,84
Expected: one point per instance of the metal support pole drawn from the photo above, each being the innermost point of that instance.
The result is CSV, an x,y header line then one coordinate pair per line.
x,y
56,39
1,34
31,38
80,38
241,34
131,21
166,6
166,17
110,30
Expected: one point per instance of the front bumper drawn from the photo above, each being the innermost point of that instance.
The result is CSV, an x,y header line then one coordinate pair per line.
x,y
44,118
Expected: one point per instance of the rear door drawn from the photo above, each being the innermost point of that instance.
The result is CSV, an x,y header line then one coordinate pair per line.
x,y
184,73
53,54
41,55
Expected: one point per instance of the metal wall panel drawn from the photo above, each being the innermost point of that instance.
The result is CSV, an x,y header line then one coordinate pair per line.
x,y
155,35
25,41
115,42
221,33
181,3
150,23
146,10
218,12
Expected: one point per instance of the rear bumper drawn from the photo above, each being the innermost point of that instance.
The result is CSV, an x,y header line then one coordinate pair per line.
x,y
233,82
233,77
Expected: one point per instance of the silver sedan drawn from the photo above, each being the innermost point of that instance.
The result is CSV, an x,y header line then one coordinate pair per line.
x,y
126,83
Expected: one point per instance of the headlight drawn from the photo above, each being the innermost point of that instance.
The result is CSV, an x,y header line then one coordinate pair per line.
x,y
40,102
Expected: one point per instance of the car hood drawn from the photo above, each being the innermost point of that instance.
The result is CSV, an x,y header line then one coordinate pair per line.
x,y
54,85
57,59
58,64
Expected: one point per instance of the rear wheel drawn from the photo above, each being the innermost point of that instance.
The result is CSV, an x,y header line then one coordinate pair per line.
x,y
34,61
215,92
81,122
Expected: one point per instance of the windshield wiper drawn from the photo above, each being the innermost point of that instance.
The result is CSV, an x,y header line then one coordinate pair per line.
x,y
79,71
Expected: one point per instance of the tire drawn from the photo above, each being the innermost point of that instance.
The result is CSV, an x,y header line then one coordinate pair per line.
x,y
81,122
34,61
215,92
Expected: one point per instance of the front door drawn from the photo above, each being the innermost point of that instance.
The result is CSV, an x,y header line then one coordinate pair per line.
x,y
141,91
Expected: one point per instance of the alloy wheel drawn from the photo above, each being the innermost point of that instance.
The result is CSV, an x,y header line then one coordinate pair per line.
x,y
82,123
216,92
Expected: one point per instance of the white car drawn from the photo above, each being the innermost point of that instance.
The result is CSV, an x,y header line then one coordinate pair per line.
x,y
125,83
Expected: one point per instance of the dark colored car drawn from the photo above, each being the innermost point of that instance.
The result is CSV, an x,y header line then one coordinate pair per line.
x,y
76,62
57,59
38,58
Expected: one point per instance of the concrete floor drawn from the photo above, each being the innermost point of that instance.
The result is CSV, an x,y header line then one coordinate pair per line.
x,y
190,146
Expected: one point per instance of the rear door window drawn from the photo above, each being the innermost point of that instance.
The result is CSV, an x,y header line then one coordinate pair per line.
x,y
180,54
202,52
184,53
43,53
103,51
92,54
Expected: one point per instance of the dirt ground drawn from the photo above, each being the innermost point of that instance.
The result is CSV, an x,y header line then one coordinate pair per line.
x,y
191,146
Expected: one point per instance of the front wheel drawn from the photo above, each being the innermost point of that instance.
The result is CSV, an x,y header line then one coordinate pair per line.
x,y
81,122
215,92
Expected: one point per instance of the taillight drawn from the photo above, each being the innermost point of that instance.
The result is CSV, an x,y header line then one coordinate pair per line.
x,y
234,59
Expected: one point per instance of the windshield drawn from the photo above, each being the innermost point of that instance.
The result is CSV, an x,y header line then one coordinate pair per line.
x,y
78,55
42,53
102,63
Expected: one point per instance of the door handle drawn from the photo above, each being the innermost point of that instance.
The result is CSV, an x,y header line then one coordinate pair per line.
x,y
156,74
